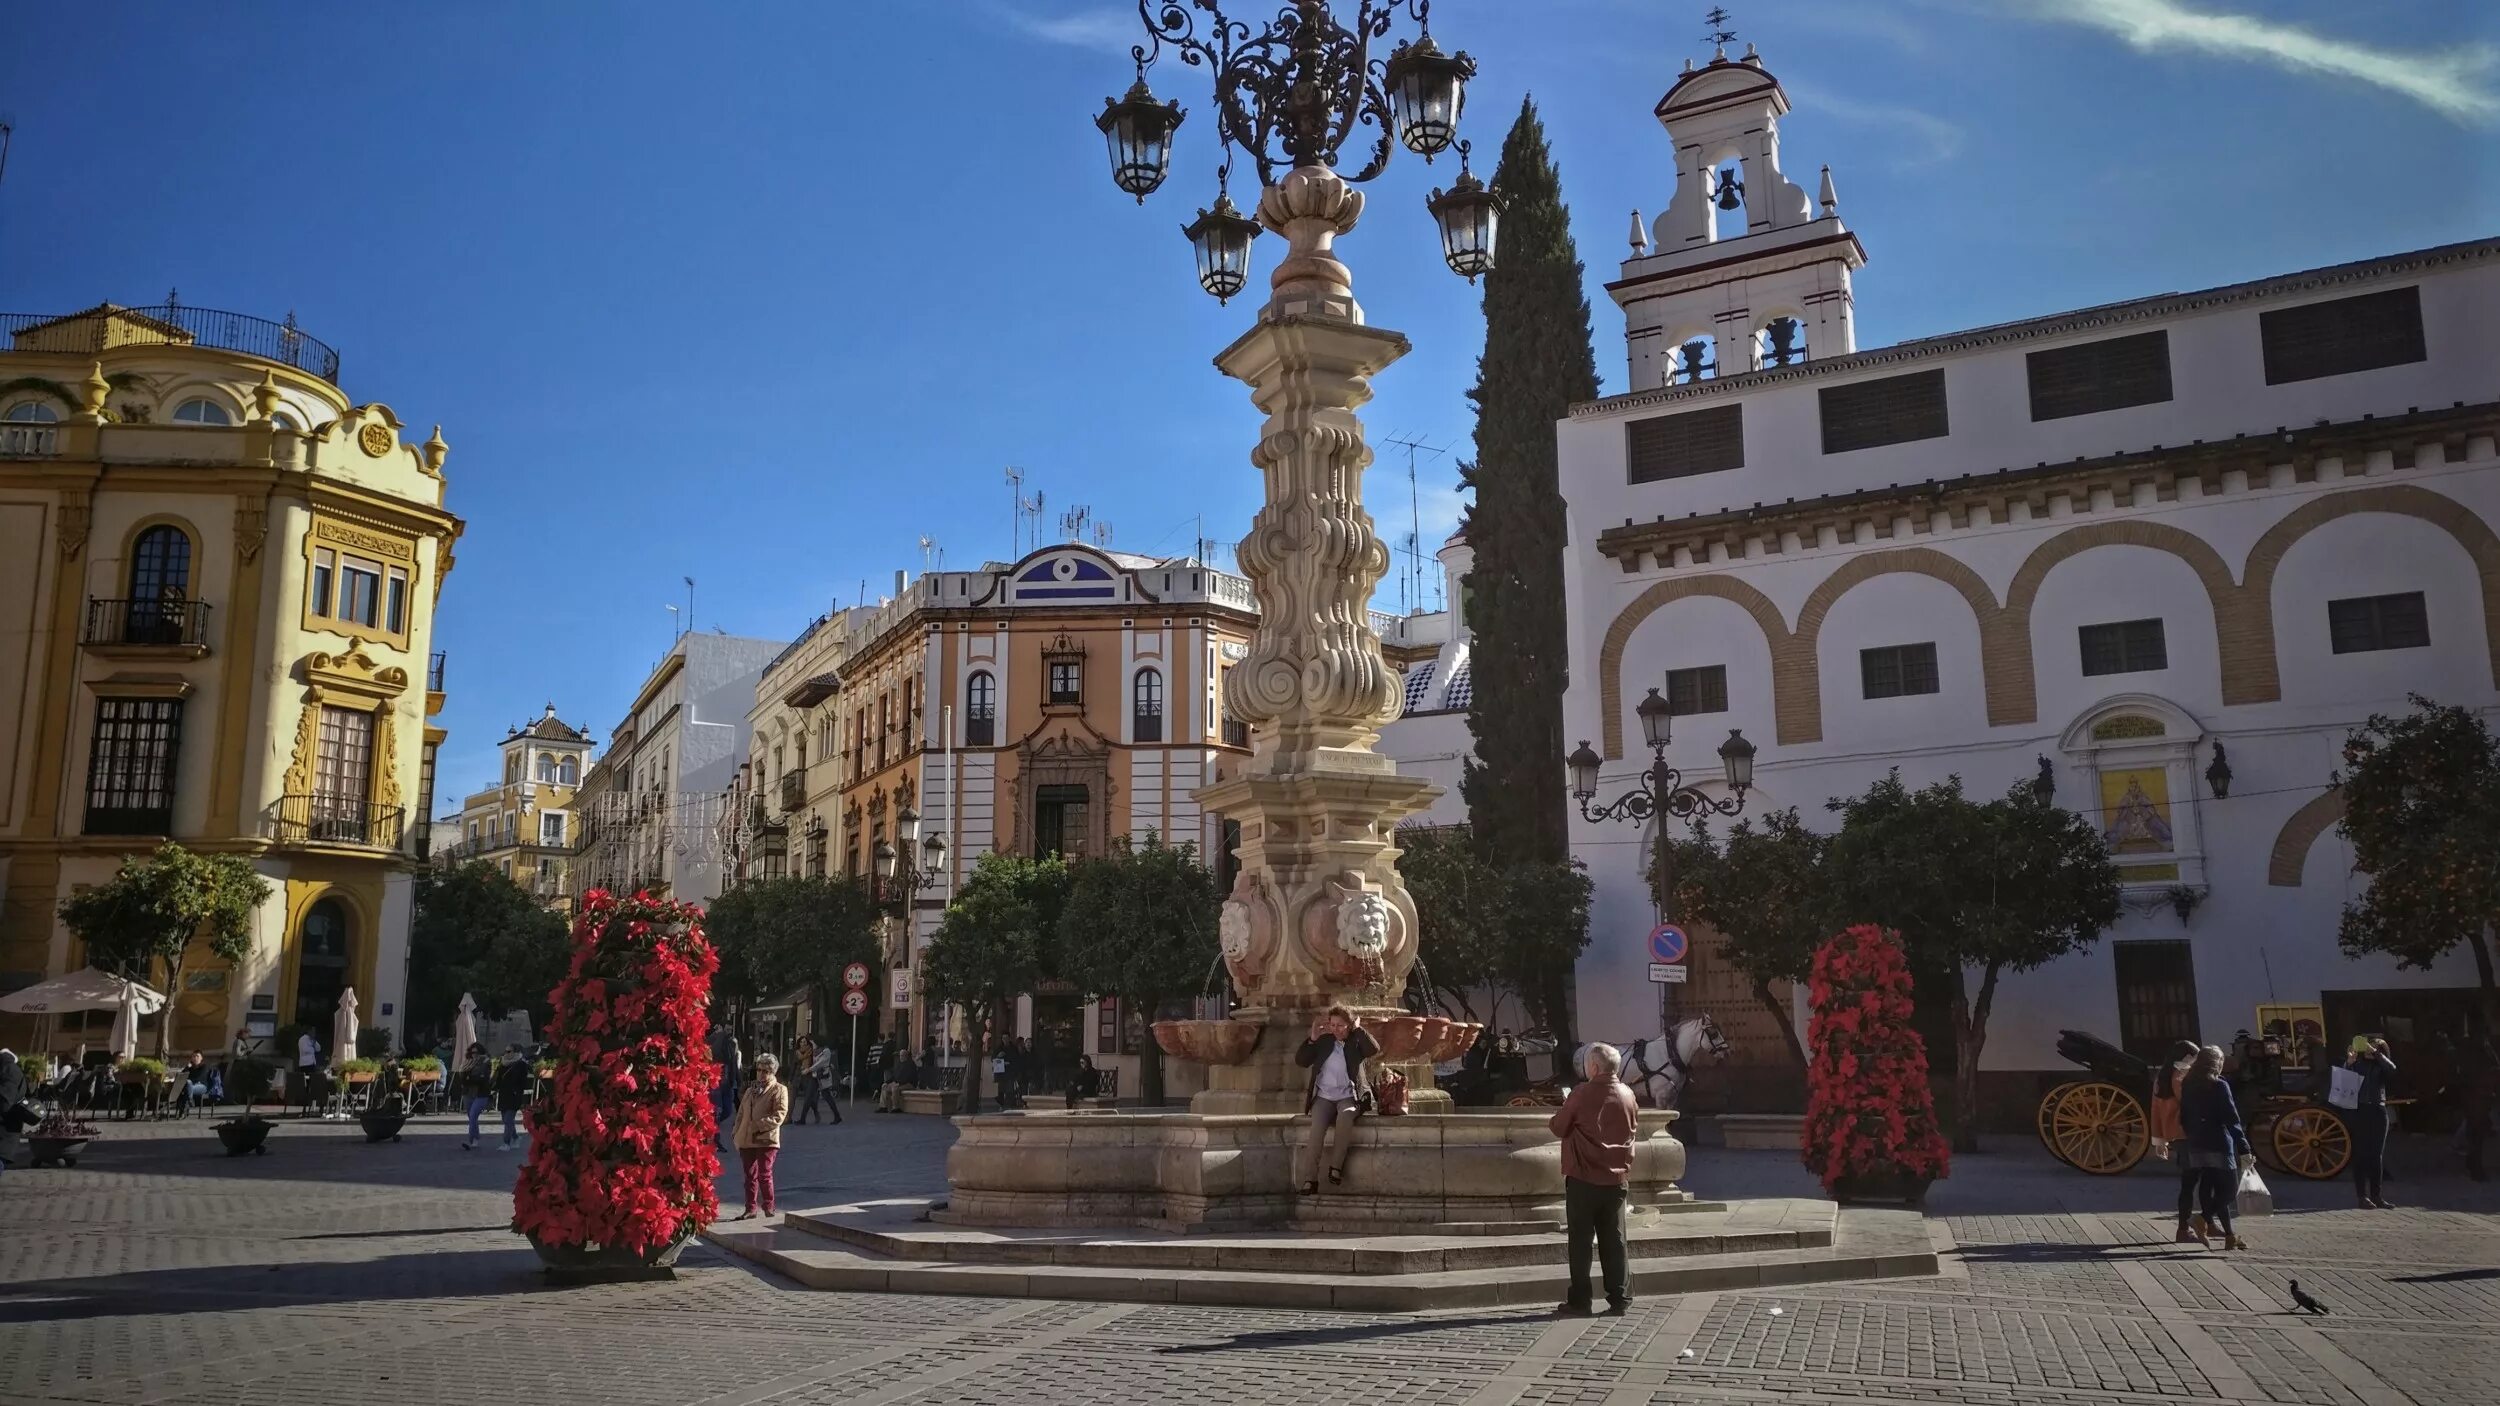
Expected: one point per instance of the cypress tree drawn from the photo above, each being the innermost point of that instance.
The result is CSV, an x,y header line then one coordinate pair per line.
x,y
1538,361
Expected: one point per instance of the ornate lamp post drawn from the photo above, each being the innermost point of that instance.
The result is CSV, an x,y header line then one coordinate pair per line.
x,y
900,878
1662,796
1318,914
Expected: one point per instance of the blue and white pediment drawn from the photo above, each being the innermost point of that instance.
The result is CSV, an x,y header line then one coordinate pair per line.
x,y
1075,575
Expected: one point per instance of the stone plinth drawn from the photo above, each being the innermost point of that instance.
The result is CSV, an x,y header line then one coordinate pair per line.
x,y
1185,1170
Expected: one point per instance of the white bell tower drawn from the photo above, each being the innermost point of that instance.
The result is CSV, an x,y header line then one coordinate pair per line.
x,y
1743,271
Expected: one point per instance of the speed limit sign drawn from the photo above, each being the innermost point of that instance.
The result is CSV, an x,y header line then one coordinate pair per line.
x,y
854,1002
855,976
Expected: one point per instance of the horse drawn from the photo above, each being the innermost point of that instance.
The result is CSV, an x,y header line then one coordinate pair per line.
x,y
1657,1067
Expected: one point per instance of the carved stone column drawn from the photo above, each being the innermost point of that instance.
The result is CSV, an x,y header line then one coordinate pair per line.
x,y
1319,915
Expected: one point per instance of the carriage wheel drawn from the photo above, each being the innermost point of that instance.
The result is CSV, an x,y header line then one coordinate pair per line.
x,y
1525,1101
2046,1119
2100,1128
2312,1142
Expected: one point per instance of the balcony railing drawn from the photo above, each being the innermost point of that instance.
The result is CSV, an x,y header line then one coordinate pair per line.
x,y
337,820
90,333
172,623
29,441
794,788
434,671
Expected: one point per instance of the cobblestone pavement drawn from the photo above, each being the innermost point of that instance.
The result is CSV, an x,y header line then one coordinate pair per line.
x,y
333,1272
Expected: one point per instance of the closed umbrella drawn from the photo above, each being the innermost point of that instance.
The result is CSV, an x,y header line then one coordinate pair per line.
x,y
343,1028
464,1029
125,1037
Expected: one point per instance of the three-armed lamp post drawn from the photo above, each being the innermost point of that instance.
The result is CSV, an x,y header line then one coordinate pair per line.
x,y
1662,795
898,874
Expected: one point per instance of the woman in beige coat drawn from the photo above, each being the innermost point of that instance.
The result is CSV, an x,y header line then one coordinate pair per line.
x,y
762,1109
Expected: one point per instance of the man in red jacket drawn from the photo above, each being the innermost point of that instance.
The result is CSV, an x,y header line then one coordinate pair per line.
x,y
1596,1125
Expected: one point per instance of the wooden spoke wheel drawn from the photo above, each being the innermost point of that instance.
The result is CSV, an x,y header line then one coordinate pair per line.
x,y
2312,1141
2100,1128
1528,1101
2045,1120
2261,1139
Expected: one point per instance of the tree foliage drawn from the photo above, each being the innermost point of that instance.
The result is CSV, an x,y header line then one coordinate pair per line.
x,y
2422,812
157,907
992,943
1457,916
477,931
1507,927
1764,892
791,934
1139,923
1996,886
1538,361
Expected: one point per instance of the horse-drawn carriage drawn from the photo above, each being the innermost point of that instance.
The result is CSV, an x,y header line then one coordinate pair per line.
x,y
2101,1124
1657,1067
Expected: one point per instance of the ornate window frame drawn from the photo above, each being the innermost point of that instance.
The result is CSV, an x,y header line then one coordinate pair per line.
x,y
2139,733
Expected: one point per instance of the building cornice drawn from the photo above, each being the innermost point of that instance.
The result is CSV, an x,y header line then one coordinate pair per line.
x,y
2415,440
2107,316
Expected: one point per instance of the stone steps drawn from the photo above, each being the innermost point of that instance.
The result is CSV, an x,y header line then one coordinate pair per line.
x,y
1751,1245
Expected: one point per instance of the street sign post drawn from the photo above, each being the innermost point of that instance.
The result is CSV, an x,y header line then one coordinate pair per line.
x,y
1667,944
855,976
1666,973
855,1005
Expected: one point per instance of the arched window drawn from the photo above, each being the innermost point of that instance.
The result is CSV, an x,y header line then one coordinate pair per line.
x,y
569,772
546,767
1693,361
321,949
160,586
1146,705
31,412
1783,342
981,710
201,411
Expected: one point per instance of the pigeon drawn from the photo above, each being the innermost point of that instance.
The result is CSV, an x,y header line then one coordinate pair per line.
x,y
2304,1300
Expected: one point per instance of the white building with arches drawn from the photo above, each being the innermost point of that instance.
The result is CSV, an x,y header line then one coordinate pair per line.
x,y
2172,549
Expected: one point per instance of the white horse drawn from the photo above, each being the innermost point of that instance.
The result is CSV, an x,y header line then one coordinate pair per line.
x,y
1657,1067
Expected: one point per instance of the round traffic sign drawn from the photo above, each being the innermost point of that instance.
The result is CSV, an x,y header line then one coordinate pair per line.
x,y
1666,943
855,976
854,1003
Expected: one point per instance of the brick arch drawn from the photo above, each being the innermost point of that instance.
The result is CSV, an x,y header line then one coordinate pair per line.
x,y
2292,842
1657,597
2404,500
2243,621
2008,692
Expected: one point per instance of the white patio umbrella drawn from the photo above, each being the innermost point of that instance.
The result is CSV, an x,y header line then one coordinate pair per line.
x,y
464,1030
125,1037
343,1029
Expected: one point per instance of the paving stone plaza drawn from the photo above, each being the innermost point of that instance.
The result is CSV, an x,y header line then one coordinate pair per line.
x,y
334,1272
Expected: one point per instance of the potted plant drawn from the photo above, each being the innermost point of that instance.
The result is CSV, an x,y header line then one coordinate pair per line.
x,y
57,1140
249,1079
141,1070
383,1119
248,1132
621,1163
422,1069
359,1071
1870,1130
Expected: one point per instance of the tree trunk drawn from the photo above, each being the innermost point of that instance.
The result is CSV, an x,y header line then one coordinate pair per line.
x,y
976,1032
1787,1020
1150,1072
1556,1014
1970,1035
2482,971
165,1013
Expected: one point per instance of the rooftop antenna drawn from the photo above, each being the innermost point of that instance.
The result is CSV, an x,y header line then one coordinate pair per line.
x,y
1102,535
6,119
1015,512
1720,36
931,556
1072,522
1411,580
690,604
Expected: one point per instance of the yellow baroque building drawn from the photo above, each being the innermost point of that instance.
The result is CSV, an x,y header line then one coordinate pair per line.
x,y
218,577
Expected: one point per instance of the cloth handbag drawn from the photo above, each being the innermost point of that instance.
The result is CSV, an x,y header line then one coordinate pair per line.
x,y
1389,1093
2343,1087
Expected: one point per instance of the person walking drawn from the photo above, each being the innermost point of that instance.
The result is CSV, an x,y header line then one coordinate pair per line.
x,y
724,1047
2217,1143
1596,1125
820,1083
477,1083
1338,1094
512,1093
803,1079
762,1109
2170,1138
2368,1058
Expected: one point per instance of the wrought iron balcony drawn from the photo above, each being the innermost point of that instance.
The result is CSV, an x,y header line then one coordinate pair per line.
x,y
434,671
165,623
794,788
337,820
91,331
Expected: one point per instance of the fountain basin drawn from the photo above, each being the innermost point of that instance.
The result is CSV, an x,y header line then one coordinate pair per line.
x,y
1207,1041
1455,1041
1400,1037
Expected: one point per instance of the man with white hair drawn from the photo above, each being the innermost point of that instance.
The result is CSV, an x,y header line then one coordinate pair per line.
x,y
1596,1125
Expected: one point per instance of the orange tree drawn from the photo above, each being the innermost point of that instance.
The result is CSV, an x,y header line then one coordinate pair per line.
x,y
2422,811
1765,893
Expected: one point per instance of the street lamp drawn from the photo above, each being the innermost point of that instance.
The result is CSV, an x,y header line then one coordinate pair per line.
x,y
1662,795
1290,93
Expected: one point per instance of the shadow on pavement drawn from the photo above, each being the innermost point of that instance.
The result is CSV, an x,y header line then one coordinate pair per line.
x,y
1352,1332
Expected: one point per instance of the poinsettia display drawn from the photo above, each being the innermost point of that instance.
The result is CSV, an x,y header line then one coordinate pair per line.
x,y
1869,1111
621,1155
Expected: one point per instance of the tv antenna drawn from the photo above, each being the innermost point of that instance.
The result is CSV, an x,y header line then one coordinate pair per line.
x,y
1015,512
6,127
1072,522
1102,535
1720,36
932,556
1411,580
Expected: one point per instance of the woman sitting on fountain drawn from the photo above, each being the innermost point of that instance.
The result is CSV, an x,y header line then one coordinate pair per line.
x,y
1334,1054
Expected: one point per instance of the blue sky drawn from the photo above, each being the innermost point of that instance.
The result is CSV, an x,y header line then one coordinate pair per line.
x,y
763,294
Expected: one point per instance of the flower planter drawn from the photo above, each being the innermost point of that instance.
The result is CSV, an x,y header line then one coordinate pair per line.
x,y
241,1135
56,1151
608,1264
1887,1188
382,1127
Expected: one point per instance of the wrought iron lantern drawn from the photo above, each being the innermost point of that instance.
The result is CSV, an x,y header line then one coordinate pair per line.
x,y
1657,720
1583,765
1139,131
933,853
1427,90
885,856
1470,216
1221,238
2218,775
1736,756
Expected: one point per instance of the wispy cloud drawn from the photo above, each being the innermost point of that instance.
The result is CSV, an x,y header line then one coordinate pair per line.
x,y
1101,27
1926,139
2455,81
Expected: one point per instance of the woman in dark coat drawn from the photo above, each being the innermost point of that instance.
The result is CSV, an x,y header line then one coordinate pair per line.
x,y
2368,1059
512,1094
2218,1149
1338,1094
